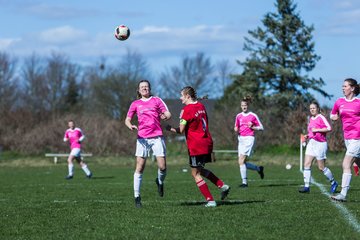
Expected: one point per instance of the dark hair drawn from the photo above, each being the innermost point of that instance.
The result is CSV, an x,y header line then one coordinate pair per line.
x,y
192,93
247,99
317,105
138,95
71,121
353,83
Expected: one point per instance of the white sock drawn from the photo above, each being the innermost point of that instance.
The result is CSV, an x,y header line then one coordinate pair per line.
x,y
307,177
345,183
252,166
243,173
328,174
71,169
137,184
86,169
161,176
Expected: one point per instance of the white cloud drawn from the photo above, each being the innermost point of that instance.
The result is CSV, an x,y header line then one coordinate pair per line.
x,y
5,43
64,34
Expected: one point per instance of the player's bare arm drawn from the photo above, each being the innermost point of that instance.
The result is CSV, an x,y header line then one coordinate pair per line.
x,y
129,124
165,115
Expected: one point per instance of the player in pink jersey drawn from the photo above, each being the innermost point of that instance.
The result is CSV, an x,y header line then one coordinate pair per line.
x,y
150,111
194,122
347,109
318,126
246,123
75,137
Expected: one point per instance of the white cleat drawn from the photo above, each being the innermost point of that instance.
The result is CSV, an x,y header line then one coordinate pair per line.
x,y
339,198
211,204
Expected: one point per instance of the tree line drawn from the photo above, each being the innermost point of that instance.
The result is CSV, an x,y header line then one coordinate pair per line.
x,y
39,94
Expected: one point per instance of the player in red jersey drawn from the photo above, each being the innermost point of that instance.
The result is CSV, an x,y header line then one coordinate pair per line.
x,y
194,122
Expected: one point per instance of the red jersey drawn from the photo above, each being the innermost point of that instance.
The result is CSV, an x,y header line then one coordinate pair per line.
x,y
198,137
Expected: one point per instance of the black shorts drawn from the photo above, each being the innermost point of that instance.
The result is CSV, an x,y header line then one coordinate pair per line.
x,y
199,160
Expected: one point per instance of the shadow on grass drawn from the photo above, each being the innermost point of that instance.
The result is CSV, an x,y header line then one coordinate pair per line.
x,y
219,203
280,185
105,177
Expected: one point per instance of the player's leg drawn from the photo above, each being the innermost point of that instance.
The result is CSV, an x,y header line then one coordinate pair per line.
x,y
225,189
307,174
70,167
141,153
139,170
196,165
328,174
159,150
259,169
243,170
84,166
352,154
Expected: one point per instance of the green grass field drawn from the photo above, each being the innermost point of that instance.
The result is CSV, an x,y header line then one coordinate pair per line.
x,y
36,202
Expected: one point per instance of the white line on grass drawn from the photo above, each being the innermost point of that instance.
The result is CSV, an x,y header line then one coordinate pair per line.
x,y
344,211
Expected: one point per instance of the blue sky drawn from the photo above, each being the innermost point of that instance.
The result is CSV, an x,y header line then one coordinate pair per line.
x,y
164,31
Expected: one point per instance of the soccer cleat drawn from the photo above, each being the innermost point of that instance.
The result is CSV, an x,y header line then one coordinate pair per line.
x,y
89,176
160,187
261,172
333,187
211,204
339,198
138,202
225,192
243,185
304,190
69,177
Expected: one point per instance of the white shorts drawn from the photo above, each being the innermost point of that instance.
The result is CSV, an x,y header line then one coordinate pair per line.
x,y
144,145
76,152
353,147
245,145
316,149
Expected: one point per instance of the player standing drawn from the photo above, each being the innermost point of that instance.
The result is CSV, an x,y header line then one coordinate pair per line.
x,y
149,110
75,137
317,128
194,122
348,109
246,123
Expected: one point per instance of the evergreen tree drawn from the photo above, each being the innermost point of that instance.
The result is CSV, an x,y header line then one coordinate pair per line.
x,y
281,56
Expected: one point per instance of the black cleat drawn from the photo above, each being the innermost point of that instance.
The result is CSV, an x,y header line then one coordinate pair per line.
x,y
243,185
69,177
89,176
160,187
138,202
304,190
225,192
261,172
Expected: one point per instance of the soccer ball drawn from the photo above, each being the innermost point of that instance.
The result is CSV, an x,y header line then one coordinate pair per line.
x,y
122,32
288,166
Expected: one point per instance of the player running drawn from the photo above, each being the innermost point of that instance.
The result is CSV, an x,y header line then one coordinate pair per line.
x,y
348,109
194,122
318,126
75,137
149,110
246,123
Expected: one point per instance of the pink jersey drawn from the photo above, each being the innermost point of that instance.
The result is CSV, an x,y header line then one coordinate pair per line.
x,y
75,137
349,112
243,120
318,121
148,112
